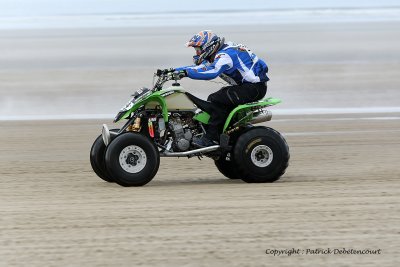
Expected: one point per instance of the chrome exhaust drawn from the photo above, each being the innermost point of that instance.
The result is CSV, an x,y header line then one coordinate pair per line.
x,y
263,116
189,153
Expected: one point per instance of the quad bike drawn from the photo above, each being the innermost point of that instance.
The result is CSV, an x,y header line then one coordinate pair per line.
x,y
162,123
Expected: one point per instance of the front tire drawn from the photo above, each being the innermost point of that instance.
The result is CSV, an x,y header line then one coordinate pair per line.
x,y
261,155
132,159
97,154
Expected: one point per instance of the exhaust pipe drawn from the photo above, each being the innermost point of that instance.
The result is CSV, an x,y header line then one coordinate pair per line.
x,y
191,152
262,117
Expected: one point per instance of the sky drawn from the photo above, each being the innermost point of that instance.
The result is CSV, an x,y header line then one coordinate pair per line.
x,y
23,8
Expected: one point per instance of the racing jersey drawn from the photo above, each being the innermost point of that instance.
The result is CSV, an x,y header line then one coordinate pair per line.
x,y
234,63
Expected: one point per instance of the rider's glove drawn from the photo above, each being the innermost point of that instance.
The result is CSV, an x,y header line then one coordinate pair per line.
x,y
177,75
181,74
171,76
164,71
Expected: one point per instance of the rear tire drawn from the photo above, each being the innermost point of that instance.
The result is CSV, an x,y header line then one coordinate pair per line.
x,y
227,168
132,159
261,155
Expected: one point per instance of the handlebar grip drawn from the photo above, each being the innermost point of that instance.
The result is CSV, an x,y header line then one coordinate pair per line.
x,y
164,71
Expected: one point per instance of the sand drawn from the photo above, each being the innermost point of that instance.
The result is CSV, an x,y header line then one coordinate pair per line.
x,y
341,189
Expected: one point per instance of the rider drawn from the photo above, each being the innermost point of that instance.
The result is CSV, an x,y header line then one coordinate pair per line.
x,y
234,63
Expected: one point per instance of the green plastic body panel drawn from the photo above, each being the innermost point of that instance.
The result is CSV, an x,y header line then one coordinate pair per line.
x,y
154,97
243,108
202,117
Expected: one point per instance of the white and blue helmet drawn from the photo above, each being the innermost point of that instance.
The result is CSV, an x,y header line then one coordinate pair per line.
x,y
206,44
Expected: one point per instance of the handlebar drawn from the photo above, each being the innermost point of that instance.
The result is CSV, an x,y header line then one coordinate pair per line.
x,y
163,77
164,71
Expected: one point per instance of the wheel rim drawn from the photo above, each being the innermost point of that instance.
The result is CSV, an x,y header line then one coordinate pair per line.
x,y
132,159
262,156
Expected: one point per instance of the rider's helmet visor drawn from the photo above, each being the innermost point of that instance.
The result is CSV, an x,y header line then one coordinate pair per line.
x,y
198,50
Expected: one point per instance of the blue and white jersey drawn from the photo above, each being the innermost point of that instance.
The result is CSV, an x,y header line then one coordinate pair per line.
x,y
234,63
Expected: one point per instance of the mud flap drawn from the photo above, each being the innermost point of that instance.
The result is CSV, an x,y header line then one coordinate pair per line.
x,y
224,143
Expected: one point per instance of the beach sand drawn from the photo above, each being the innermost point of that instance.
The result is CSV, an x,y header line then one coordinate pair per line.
x,y
341,189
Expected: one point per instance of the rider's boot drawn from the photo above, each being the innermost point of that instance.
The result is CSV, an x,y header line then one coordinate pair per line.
x,y
204,141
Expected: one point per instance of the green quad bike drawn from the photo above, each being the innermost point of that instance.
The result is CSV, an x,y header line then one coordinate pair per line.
x,y
162,123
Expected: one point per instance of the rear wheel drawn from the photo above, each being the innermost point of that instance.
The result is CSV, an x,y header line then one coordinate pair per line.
x,y
132,159
227,168
261,155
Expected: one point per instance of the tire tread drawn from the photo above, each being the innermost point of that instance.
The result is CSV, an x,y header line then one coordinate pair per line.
x,y
243,141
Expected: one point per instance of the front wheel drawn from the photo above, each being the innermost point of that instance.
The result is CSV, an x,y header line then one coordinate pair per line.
x,y
97,158
132,159
97,153
261,155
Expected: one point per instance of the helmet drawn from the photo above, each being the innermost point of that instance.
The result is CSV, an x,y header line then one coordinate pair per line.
x,y
206,44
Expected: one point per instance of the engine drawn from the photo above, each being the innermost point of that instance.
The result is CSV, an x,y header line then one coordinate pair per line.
x,y
181,132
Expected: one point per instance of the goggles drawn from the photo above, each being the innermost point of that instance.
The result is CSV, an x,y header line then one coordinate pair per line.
x,y
198,50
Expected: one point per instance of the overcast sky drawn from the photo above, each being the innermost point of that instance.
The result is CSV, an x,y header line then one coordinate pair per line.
x,y
68,7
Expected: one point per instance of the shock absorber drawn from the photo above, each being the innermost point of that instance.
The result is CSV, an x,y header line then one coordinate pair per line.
x,y
136,126
151,128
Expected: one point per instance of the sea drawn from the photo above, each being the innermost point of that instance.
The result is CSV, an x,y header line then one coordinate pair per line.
x,y
75,14
59,14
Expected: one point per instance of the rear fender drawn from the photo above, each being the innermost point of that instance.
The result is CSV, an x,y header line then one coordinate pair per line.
x,y
242,109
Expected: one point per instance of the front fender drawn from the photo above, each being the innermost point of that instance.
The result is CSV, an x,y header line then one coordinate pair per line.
x,y
153,98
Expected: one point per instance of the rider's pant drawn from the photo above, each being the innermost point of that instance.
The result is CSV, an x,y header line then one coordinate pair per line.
x,y
226,99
